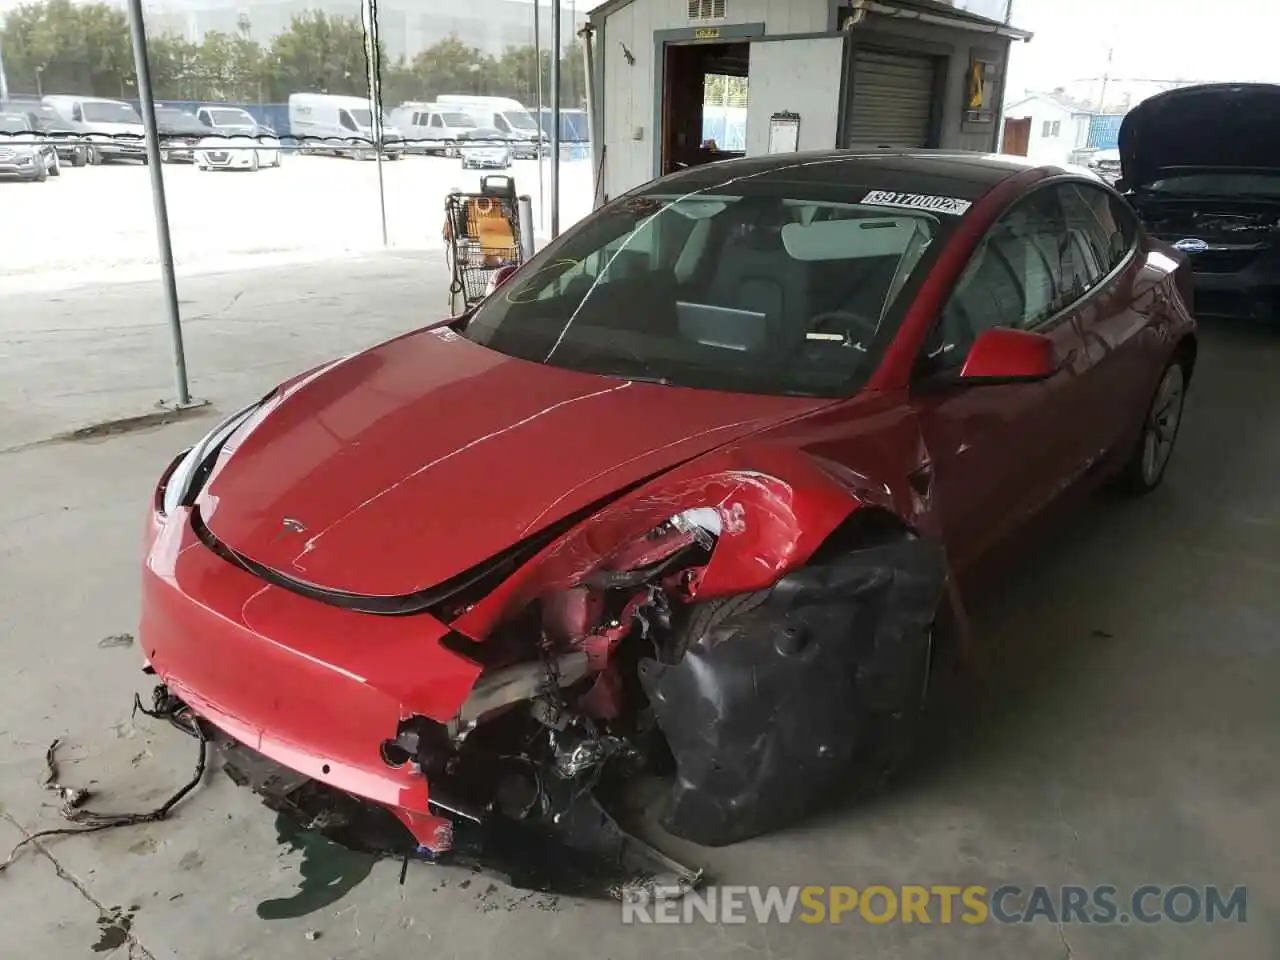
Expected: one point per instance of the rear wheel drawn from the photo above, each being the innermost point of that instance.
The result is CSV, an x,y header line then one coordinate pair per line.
x,y
1146,466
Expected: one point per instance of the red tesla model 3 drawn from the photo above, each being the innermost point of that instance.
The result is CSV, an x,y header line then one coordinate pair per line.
x,y
685,495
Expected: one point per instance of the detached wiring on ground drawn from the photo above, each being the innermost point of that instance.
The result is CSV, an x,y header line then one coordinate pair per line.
x,y
91,821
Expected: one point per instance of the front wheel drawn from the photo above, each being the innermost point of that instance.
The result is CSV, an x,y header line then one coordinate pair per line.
x,y
1146,465
55,168
80,157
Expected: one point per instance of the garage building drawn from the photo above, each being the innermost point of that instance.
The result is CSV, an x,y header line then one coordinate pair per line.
x,y
819,74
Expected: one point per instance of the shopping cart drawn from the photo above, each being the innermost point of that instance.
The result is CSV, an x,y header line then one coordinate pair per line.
x,y
483,234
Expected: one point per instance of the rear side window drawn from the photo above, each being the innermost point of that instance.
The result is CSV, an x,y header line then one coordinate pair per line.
x,y
1102,221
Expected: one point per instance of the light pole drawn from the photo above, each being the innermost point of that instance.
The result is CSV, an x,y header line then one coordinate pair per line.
x,y
555,120
537,69
138,34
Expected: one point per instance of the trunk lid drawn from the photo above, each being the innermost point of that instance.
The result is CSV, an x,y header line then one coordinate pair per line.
x,y
402,466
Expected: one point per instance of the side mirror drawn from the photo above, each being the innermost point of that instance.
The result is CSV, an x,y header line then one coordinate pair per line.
x,y
498,278
1005,355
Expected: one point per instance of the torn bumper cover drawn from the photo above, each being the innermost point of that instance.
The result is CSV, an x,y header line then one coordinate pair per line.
x,y
314,688
323,709
769,711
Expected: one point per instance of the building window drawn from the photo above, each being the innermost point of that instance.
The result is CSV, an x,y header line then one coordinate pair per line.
x,y
1051,128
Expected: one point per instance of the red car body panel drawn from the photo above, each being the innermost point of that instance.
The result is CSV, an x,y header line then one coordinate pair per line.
x,y
429,454
431,439
312,687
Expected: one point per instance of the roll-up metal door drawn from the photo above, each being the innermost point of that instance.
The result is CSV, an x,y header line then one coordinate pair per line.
x,y
892,102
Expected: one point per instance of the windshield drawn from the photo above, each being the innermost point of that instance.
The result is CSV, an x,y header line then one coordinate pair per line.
x,y
746,290
103,112
224,118
1219,184
12,124
519,120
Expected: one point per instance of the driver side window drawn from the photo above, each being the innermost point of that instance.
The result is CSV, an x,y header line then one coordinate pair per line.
x,y
1015,278
345,119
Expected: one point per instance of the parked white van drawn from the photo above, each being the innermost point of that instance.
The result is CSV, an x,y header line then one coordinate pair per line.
x,y
425,125
113,127
342,126
509,117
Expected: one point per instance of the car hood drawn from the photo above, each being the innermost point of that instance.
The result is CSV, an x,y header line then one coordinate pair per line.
x,y
1217,126
403,466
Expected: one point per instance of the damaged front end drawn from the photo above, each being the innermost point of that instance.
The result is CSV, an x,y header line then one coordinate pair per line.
x,y
743,677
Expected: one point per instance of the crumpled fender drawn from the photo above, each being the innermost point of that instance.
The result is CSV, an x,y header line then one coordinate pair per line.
x,y
776,504
785,704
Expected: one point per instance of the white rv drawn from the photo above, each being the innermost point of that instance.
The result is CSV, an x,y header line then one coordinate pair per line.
x,y
343,126
509,117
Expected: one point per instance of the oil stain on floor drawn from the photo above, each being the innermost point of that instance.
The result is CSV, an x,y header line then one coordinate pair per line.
x,y
113,929
327,872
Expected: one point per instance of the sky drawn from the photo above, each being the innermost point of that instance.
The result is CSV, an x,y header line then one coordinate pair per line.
x,y
1151,39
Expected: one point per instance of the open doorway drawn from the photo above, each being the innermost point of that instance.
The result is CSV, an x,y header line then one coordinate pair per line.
x,y
704,103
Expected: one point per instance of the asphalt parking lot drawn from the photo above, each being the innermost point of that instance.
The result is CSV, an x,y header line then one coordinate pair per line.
x,y
95,224
1120,729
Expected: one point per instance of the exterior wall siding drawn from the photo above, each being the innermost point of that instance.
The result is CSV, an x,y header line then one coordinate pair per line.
x,y
628,94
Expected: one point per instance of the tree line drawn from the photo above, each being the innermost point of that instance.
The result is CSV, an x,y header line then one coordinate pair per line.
x,y
58,46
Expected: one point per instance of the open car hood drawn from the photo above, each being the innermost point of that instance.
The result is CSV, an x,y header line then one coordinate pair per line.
x,y
1217,126
403,466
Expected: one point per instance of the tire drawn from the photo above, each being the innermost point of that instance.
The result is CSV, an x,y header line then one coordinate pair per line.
x,y
43,175
164,156
1149,459
91,156
81,157
55,168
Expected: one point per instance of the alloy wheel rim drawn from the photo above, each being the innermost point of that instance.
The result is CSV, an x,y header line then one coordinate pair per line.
x,y
1162,425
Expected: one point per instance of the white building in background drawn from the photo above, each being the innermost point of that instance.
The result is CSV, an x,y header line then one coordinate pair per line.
x,y
407,26
1058,127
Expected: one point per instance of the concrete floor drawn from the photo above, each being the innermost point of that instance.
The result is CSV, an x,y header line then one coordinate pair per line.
x,y
1124,727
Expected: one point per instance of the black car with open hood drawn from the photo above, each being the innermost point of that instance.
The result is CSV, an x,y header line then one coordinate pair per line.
x,y
1201,165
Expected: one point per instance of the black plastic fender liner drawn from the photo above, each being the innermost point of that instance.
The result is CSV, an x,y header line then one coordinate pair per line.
x,y
786,706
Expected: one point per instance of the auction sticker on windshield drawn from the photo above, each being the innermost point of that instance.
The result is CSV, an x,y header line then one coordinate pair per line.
x,y
917,201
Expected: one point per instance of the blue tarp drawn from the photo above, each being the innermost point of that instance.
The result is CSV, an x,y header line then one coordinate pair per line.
x,y
1104,131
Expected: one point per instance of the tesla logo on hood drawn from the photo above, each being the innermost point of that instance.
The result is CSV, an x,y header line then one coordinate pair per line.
x,y
289,525
1192,245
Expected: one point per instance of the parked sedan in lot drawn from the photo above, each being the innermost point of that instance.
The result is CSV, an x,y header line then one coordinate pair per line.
x,y
491,151
237,153
1201,165
22,157
180,132
67,135
714,461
